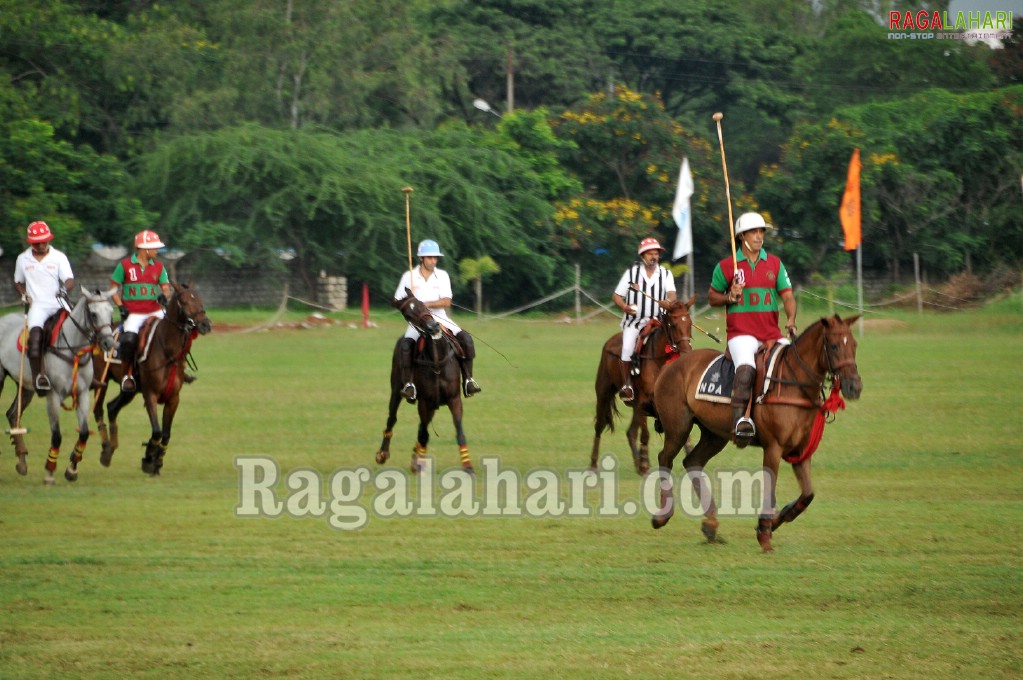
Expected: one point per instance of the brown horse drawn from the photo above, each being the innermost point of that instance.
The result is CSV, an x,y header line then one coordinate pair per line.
x,y
784,419
436,374
672,335
160,374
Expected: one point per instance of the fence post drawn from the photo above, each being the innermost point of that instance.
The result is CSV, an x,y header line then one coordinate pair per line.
x,y
578,303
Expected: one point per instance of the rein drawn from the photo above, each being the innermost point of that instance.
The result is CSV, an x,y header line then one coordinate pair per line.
x,y
76,352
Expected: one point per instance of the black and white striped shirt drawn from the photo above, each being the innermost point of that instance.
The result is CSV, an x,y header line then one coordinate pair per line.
x,y
657,287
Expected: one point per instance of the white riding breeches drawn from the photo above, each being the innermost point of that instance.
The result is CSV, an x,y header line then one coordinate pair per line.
x,y
134,321
629,337
743,349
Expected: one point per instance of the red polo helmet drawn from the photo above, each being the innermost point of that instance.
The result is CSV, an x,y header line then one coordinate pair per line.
x,y
39,232
649,244
147,239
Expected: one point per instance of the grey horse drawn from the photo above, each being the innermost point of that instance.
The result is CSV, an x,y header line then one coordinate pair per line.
x,y
69,367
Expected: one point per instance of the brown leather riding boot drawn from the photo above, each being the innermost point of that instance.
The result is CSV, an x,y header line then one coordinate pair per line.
x,y
626,393
469,384
405,349
743,429
126,354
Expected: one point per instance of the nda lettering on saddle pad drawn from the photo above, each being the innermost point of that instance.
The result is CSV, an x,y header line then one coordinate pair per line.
x,y
716,381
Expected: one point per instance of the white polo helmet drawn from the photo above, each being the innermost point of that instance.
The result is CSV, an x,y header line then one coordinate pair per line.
x,y
750,220
429,248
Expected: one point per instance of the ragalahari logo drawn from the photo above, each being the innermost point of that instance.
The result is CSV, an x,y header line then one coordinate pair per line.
x,y
926,24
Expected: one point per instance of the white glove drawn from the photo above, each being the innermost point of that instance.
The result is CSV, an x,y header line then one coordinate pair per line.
x,y
631,309
26,299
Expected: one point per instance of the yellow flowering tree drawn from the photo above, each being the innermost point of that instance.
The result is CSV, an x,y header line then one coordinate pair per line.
x,y
626,151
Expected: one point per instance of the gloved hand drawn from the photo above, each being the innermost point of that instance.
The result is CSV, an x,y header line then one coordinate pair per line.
x,y
162,299
123,309
26,299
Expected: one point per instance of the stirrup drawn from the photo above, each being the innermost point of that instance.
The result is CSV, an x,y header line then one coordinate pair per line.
x,y
745,431
471,387
627,393
42,383
409,392
127,384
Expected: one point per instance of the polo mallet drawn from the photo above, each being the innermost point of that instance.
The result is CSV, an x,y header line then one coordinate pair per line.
x,y
408,235
728,192
18,429
643,292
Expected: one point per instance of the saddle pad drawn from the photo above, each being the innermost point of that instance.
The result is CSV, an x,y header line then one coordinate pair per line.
x,y
716,382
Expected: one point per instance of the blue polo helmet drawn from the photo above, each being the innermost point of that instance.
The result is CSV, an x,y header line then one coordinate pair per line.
x,y
429,248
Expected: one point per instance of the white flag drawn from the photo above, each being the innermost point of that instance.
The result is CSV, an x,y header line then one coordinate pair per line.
x,y
681,213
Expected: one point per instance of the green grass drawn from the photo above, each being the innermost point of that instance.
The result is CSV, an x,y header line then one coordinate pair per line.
x,y
907,565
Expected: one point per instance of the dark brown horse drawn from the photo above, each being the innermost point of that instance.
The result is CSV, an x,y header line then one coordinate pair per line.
x,y
784,419
436,374
159,375
672,335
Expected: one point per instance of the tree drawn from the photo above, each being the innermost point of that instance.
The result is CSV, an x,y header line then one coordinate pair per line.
x,y
335,200
81,194
940,178
627,151
474,271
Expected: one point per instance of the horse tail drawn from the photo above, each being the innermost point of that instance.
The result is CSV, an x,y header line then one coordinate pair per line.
x,y
607,405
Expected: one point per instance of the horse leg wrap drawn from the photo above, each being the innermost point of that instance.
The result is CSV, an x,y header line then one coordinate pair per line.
x,y
463,455
419,451
388,434
76,455
792,510
51,459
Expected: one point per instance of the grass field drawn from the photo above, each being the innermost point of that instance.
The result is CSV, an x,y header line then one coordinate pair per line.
x,y
907,565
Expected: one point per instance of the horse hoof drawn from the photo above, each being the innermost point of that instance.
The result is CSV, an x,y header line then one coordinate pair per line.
x,y
71,476
147,466
710,531
106,455
22,465
657,522
382,457
49,481
469,470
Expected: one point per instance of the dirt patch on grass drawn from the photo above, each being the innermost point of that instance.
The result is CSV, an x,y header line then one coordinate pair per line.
x,y
884,324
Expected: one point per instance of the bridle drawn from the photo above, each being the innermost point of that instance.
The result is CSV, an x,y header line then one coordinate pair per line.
x,y
186,323
90,334
669,331
814,390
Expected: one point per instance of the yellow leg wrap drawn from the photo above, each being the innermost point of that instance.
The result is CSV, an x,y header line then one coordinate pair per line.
x,y
419,450
388,434
463,454
51,459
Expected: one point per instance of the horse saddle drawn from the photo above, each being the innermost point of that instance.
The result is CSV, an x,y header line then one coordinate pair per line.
x,y
716,382
145,339
644,334
51,329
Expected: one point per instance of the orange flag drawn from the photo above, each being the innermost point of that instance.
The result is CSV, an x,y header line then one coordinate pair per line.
x,y
849,213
